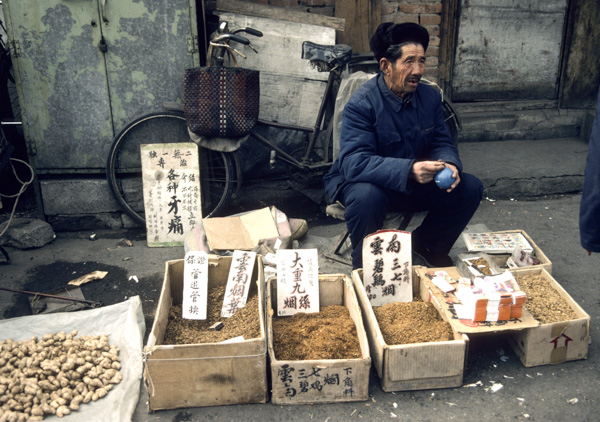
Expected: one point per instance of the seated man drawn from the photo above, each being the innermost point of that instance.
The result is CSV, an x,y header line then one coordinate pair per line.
x,y
393,141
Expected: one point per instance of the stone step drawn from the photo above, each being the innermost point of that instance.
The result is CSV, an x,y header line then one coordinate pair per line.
x,y
526,168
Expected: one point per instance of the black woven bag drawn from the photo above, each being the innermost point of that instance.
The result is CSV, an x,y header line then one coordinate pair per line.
x,y
221,101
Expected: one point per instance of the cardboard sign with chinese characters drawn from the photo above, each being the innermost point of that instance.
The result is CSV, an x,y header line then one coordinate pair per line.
x,y
387,267
172,200
238,282
297,281
195,285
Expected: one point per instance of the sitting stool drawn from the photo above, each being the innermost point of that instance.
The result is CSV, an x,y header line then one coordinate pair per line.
x,y
336,210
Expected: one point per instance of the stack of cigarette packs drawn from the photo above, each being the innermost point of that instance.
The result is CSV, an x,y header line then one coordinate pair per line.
x,y
491,298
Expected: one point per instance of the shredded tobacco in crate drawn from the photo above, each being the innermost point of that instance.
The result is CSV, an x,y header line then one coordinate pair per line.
x,y
412,322
244,322
544,303
481,265
327,334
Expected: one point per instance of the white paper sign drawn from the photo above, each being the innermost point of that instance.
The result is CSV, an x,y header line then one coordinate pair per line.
x,y
238,282
387,267
195,285
171,182
297,281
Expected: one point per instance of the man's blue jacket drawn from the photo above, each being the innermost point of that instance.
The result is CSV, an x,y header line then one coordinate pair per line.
x,y
589,209
382,136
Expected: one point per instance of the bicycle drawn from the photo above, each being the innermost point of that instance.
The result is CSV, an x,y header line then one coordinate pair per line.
x,y
222,172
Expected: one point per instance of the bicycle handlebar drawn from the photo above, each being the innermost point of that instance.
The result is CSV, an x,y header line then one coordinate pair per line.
x,y
231,37
250,31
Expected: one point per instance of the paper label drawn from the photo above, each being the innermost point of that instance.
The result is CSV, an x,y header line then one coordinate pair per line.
x,y
171,186
195,285
297,281
387,267
238,282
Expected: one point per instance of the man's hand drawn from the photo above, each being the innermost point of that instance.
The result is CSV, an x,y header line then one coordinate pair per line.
x,y
456,176
424,172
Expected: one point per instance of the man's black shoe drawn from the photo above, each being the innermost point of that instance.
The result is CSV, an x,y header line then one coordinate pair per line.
x,y
431,259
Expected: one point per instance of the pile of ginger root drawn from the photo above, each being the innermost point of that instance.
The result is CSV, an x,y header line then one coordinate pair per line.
x,y
54,375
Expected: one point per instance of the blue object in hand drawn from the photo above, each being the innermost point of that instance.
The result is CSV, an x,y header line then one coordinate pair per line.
x,y
444,178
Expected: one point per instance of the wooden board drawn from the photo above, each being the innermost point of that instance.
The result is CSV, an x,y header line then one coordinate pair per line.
x,y
362,19
291,90
290,15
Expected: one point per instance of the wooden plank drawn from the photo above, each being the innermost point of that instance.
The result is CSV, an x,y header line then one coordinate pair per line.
x,y
290,100
362,19
280,47
291,90
261,10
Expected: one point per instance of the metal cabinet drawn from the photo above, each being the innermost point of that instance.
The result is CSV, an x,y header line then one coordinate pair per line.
x,y
85,68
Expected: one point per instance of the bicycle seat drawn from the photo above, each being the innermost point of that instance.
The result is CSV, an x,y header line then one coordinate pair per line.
x,y
326,57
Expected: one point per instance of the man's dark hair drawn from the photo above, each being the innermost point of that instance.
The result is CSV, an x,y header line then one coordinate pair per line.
x,y
389,37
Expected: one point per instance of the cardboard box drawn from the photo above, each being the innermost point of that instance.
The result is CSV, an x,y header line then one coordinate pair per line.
x,y
552,343
467,271
465,326
501,258
349,377
204,374
413,366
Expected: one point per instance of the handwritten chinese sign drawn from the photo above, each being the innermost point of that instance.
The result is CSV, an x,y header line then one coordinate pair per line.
x,y
195,285
297,281
387,266
332,382
238,282
172,199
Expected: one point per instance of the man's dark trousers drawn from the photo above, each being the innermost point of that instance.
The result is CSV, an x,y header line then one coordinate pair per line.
x,y
449,213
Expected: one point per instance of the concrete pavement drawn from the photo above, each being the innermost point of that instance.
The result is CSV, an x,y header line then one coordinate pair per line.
x,y
539,393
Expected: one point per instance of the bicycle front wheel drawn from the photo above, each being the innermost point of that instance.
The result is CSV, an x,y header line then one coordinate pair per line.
x,y
124,168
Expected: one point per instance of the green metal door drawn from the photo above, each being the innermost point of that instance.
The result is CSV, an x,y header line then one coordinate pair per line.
x,y
86,67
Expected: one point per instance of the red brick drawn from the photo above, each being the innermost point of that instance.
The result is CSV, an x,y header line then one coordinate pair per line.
x,y
430,19
431,61
421,8
401,18
433,29
388,9
433,51
434,40
432,74
317,3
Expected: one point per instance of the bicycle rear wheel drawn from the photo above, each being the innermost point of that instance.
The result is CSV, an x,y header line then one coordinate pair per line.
x,y
124,172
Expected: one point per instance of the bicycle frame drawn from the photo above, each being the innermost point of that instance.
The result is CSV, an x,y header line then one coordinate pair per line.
x,y
314,132
305,164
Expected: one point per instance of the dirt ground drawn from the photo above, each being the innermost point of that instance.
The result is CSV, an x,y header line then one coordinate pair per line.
x,y
527,393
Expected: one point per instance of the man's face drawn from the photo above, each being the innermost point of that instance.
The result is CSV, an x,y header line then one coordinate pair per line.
x,y
403,75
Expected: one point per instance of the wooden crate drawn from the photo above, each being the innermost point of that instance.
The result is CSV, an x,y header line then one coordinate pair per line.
x,y
556,342
500,259
413,366
349,378
204,374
